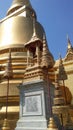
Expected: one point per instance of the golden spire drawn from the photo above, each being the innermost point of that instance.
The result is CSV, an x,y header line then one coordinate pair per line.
x,y
47,59
58,97
69,42
16,4
34,38
61,74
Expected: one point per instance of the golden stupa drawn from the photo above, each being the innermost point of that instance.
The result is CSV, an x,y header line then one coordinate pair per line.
x,y
16,31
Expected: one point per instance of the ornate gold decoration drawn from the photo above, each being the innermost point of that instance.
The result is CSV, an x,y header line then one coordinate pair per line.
x,y
6,125
47,58
69,44
69,53
52,125
60,107
67,94
58,98
69,124
62,76
69,57
61,70
33,73
34,46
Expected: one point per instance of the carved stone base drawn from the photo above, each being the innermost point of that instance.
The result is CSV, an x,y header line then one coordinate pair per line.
x,y
34,106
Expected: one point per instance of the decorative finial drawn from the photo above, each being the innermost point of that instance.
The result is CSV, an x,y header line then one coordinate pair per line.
x,y
52,125
69,42
69,53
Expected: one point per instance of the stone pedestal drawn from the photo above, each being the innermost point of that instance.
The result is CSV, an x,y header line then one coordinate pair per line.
x,y
34,108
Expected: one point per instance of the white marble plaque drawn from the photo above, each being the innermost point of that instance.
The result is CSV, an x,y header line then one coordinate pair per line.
x,y
32,105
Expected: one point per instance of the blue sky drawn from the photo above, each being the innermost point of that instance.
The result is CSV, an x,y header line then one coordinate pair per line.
x,y
56,16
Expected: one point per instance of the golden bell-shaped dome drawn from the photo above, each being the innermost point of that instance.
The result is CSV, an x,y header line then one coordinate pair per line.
x,y
16,4
16,31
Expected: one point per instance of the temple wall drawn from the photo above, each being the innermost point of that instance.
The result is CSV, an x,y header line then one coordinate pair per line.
x,y
69,84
